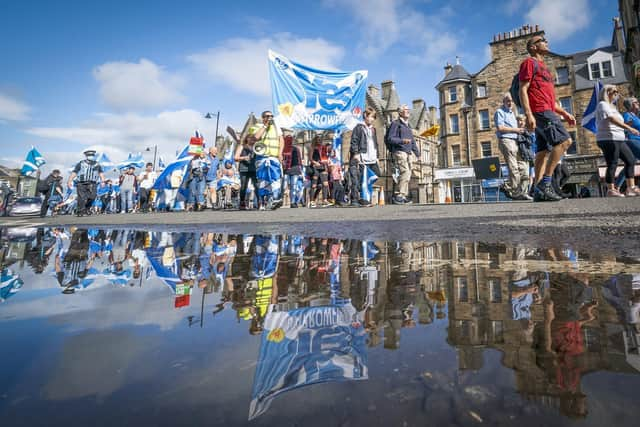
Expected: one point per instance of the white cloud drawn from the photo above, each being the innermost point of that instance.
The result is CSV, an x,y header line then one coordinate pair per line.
x,y
560,19
242,62
119,134
128,86
385,23
12,109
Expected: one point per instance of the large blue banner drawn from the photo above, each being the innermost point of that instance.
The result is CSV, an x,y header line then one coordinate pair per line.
x,y
308,346
306,98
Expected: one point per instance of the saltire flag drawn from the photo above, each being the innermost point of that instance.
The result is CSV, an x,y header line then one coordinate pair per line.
x,y
32,162
268,174
161,164
589,116
105,162
337,146
181,154
132,160
163,179
307,346
228,154
167,273
10,284
265,260
308,98
366,184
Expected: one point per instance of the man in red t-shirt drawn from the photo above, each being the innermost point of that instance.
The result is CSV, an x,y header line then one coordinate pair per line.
x,y
542,111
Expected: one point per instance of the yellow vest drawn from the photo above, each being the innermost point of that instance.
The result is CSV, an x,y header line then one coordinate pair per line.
x,y
270,139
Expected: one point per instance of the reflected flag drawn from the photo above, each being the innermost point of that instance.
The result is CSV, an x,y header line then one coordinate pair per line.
x,y
10,284
366,186
589,116
32,162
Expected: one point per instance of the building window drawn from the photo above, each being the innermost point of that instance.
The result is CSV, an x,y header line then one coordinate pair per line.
x,y
566,104
461,250
495,290
486,149
455,155
595,71
455,125
606,69
573,148
562,76
484,119
463,289
453,94
482,90
497,330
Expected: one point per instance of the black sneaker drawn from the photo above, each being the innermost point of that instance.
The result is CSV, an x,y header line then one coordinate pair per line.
x,y
398,200
546,193
504,191
364,203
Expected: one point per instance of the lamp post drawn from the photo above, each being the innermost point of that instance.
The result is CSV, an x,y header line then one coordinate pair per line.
x,y
155,155
217,116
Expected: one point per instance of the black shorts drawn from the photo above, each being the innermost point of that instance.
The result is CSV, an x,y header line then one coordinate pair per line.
x,y
549,131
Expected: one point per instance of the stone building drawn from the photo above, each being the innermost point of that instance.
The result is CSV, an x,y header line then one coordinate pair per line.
x,y
468,102
630,23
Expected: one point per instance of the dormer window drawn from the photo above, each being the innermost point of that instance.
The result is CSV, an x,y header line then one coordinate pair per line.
x,y
600,66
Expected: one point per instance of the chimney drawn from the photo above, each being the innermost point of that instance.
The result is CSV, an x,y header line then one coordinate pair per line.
x,y
418,104
618,36
386,89
374,91
433,118
447,69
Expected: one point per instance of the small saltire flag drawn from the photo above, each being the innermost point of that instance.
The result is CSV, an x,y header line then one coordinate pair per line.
x,y
32,162
589,116
228,154
161,163
105,162
132,160
366,186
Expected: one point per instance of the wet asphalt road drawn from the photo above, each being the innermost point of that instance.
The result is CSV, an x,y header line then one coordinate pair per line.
x,y
611,225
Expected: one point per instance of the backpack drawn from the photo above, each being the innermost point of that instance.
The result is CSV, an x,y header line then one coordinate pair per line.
x,y
514,90
43,186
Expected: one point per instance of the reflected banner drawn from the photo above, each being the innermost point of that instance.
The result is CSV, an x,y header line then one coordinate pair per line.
x,y
307,98
308,346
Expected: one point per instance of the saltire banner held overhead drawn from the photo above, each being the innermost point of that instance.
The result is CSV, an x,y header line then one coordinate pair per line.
x,y
307,98
32,162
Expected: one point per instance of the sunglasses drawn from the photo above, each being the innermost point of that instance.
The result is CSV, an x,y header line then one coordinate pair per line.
x,y
542,40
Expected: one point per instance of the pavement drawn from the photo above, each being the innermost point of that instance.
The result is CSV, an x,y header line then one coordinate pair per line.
x,y
587,224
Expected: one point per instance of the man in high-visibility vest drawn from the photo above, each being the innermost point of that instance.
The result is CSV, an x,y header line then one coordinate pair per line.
x,y
268,161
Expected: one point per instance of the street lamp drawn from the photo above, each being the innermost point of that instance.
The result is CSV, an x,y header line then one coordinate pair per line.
x,y
155,154
217,116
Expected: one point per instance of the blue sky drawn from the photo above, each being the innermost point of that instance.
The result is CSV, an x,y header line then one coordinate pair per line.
x,y
122,76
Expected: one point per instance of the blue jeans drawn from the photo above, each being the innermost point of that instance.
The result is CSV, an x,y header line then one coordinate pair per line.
x,y
634,145
294,192
196,190
126,200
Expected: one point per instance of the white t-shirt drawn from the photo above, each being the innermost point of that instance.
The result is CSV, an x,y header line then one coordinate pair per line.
x,y
607,131
148,182
370,156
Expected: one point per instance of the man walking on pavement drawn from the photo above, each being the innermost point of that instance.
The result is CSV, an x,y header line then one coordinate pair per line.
x,y
89,173
543,114
403,145
507,132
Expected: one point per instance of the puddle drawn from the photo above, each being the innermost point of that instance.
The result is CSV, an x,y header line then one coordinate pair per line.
x,y
108,326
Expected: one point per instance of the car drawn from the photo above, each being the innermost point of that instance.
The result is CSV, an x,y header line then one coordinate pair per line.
x,y
25,206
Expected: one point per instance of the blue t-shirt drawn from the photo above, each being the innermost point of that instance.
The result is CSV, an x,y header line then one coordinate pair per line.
x,y
213,163
635,123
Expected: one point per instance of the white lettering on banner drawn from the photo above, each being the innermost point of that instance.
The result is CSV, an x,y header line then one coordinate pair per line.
x,y
316,319
323,119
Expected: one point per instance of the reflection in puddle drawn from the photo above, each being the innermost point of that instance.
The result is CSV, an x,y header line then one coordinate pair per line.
x,y
325,310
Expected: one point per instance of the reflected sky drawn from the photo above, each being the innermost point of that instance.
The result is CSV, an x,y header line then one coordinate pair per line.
x,y
109,326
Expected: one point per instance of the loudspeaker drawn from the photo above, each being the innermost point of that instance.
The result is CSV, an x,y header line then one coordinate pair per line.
x,y
486,168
